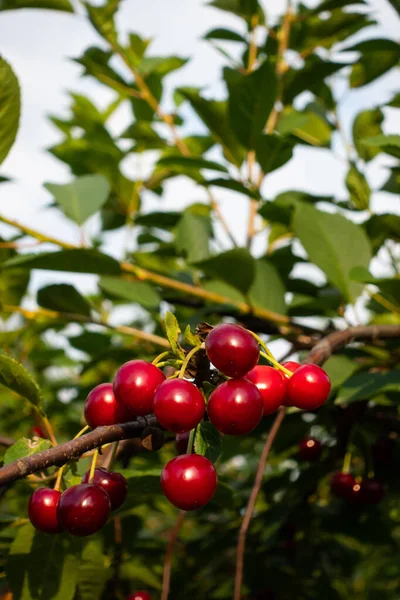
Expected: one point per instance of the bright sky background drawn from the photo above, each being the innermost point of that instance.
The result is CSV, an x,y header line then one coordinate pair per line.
x,y
39,45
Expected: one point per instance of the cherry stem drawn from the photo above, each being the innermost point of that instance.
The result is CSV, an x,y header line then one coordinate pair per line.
x,y
346,463
160,357
113,455
263,346
93,465
189,448
81,432
187,361
277,365
57,484
49,430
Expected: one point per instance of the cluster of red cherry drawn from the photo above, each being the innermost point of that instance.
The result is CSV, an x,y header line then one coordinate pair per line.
x,y
189,481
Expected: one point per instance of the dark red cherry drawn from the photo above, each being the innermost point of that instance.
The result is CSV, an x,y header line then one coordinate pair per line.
x,y
372,491
178,405
271,385
308,388
189,481
42,510
135,384
83,509
235,407
181,442
114,484
101,407
310,449
342,484
232,349
141,595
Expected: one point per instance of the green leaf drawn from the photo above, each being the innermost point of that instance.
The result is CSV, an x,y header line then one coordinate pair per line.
x,y
307,126
93,571
190,338
25,447
63,297
236,267
208,441
396,5
392,184
334,244
190,162
82,198
367,385
310,77
161,220
358,187
173,330
224,289
272,152
251,99
15,377
395,101
367,124
389,286
214,116
339,368
63,5
241,8
193,236
387,143
133,291
80,260
42,566
147,481
267,290
161,65
377,57
13,282
10,108
224,34
102,19
224,495
235,186
381,227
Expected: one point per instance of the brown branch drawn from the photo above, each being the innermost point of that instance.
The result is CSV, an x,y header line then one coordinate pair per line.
x,y
318,355
169,554
60,455
6,441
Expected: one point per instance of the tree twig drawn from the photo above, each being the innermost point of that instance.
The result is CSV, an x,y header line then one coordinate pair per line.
x,y
169,554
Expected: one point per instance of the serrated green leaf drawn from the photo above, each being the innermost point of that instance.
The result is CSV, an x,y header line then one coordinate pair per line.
x,y
10,108
190,337
224,34
80,260
133,291
208,441
251,99
63,5
267,290
173,330
367,385
193,236
367,124
307,126
272,152
387,143
162,65
25,447
241,276
339,246
63,297
377,57
82,198
15,377
190,162
358,187
241,8
93,571
102,18
235,186
339,368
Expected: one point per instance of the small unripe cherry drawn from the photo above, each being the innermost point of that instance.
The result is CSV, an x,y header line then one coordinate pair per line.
x,y
102,408
135,384
342,484
235,407
189,481
271,385
178,405
42,510
308,388
114,484
83,509
141,595
232,349
310,449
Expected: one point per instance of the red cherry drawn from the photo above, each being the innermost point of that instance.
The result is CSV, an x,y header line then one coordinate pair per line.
x,y
271,384
139,596
189,481
83,509
235,407
342,484
372,491
308,388
310,449
181,442
38,431
232,349
178,405
101,407
114,484
135,384
42,510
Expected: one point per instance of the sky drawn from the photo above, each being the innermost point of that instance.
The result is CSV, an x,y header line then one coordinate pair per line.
x,y
39,45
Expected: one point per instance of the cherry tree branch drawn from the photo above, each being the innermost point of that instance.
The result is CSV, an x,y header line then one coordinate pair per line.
x,y
169,554
318,355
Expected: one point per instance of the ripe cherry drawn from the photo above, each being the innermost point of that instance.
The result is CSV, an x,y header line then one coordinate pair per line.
x,y
235,407
101,407
181,442
232,349
84,509
372,491
291,366
114,484
310,449
342,484
141,595
178,405
189,481
271,385
42,510
38,431
308,388
135,384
